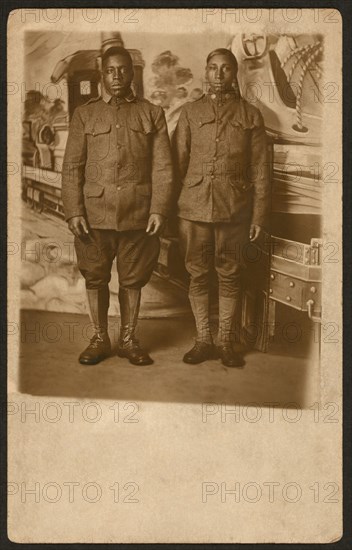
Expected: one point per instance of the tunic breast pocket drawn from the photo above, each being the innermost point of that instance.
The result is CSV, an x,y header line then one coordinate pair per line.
x,y
141,136
99,139
202,134
237,138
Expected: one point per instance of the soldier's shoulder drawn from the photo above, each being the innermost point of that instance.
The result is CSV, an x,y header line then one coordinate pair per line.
x,y
195,104
149,110
86,110
199,99
91,103
93,100
253,113
145,104
144,101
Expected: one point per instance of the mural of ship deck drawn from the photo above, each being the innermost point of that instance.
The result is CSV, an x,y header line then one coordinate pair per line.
x,y
282,75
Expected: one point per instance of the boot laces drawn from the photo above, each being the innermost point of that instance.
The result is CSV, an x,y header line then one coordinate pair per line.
x,y
96,341
128,339
199,345
226,347
132,343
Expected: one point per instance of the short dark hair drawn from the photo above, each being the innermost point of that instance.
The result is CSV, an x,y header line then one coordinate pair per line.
x,y
116,50
225,52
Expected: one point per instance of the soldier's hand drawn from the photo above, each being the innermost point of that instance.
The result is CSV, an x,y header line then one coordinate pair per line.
x,y
156,223
78,226
254,232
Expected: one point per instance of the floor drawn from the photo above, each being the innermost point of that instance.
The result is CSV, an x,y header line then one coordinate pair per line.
x,y
54,335
51,343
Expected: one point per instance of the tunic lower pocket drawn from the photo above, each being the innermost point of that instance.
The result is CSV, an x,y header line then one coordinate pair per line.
x,y
98,140
94,199
192,181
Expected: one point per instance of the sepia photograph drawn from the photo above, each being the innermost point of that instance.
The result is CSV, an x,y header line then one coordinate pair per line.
x,y
174,248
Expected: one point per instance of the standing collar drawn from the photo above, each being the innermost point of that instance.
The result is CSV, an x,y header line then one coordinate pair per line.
x,y
222,96
106,96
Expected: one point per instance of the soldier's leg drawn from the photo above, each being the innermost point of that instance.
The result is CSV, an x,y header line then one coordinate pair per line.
x,y
197,246
95,255
230,240
136,257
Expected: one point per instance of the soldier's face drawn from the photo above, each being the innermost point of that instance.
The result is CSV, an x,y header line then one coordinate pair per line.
x,y
117,75
220,73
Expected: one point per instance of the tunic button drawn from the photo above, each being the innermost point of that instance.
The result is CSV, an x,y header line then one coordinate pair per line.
x,y
118,165
200,123
213,96
212,176
217,140
118,188
215,159
118,126
243,187
118,146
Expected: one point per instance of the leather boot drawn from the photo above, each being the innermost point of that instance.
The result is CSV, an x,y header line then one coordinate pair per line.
x,y
128,344
204,347
200,352
99,347
229,357
227,312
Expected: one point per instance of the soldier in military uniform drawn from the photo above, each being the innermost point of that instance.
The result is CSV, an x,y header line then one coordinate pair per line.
x,y
220,153
116,191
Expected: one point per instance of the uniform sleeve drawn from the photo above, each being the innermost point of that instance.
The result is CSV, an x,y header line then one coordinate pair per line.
x,y
181,146
73,168
162,170
260,175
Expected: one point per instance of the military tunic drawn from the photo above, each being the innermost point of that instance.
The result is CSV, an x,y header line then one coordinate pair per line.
x,y
117,171
220,154
117,166
220,150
